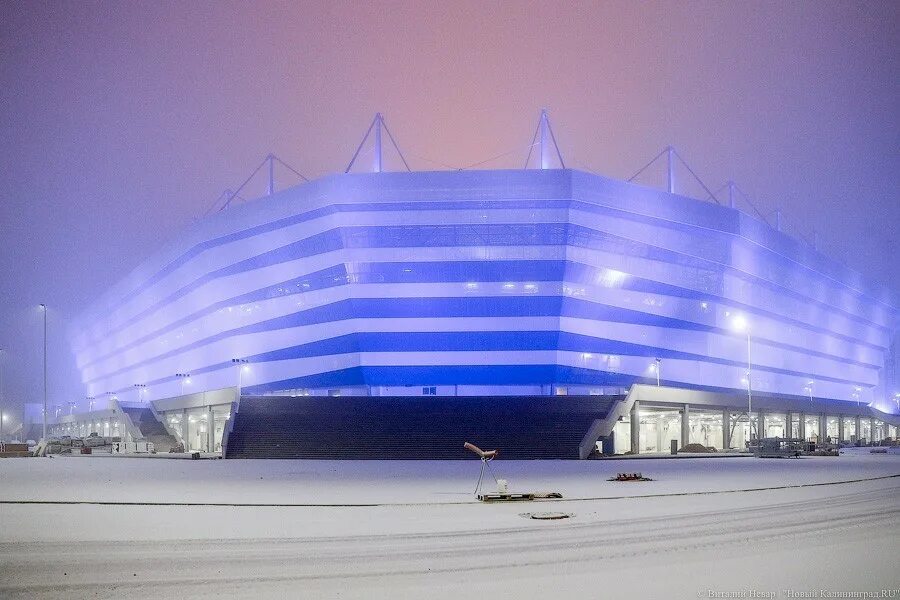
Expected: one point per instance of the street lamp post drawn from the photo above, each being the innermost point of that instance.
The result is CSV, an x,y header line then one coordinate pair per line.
x,y
809,390
44,415
740,325
185,380
657,367
2,398
141,388
241,365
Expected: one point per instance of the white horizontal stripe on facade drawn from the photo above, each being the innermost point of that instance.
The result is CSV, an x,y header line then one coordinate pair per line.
x,y
222,320
241,316
229,287
704,344
811,284
233,252
230,253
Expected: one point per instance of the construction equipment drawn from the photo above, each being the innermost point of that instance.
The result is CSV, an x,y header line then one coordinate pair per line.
x,y
778,448
486,457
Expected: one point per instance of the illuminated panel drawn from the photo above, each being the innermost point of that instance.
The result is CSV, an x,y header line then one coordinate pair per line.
x,y
488,281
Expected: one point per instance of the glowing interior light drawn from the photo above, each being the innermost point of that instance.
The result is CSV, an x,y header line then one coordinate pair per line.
x,y
530,286
704,305
587,355
472,285
612,278
508,286
739,323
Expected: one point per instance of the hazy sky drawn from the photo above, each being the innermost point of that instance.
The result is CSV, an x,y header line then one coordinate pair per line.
x,y
122,122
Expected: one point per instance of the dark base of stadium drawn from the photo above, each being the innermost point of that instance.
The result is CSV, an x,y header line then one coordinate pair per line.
x,y
382,427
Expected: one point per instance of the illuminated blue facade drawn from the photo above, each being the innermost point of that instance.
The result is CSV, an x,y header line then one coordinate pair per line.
x,y
481,283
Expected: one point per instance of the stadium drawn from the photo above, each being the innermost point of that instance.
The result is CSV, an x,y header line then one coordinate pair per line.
x,y
550,312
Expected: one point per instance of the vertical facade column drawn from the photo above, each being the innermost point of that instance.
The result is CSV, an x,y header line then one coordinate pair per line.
x,y
871,429
841,428
185,430
823,427
801,425
686,426
636,427
760,424
858,429
726,429
210,429
788,425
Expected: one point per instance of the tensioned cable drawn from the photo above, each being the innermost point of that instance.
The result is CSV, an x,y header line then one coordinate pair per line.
x,y
290,168
363,141
396,147
725,185
246,181
555,145
531,147
478,164
225,194
691,171
642,169
236,194
753,206
435,162
552,137
586,168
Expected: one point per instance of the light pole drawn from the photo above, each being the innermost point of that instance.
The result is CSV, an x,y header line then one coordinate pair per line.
x,y
141,388
655,366
740,324
897,401
242,367
90,400
44,414
855,395
2,404
809,389
185,380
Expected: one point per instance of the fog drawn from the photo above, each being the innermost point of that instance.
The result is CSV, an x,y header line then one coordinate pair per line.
x,y
122,122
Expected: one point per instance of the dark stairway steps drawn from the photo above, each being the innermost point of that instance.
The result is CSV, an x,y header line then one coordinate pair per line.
x,y
378,427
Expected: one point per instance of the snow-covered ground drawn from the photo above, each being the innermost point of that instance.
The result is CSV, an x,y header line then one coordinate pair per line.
x,y
411,529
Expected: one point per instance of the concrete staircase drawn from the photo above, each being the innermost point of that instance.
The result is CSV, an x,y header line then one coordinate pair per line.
x,y
377,427
152,430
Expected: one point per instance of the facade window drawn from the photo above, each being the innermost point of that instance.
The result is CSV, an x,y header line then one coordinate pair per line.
x,y
429,391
